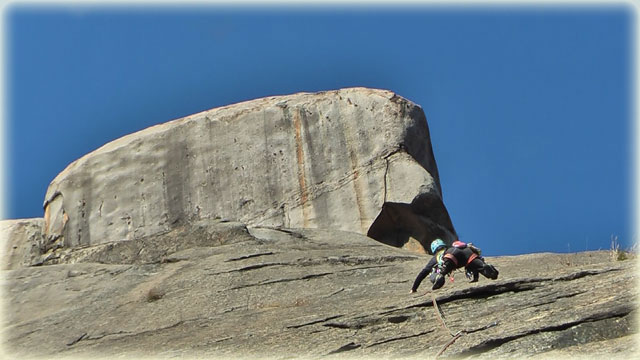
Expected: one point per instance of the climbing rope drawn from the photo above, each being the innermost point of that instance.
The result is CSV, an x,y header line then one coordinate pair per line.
x,y
444,325
455,336
460,333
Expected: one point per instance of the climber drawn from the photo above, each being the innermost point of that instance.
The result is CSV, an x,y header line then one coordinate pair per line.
x,y
446,259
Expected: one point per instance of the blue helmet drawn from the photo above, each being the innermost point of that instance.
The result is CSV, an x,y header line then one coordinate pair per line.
x,y
436,244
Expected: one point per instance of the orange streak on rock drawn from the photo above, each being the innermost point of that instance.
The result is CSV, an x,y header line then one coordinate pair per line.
x,y
304,195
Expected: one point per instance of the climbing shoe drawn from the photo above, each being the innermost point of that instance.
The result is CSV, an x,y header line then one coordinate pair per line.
x,y
439,282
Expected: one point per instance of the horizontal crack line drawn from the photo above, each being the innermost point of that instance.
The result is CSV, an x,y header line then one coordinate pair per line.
x,y
497,288
76,340
335,292
583,273
399,338
558,297
85,337
251,267
516,285
221,339
306,277
494,343
250,256
313,322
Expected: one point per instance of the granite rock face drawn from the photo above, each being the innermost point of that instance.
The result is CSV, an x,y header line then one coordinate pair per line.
x,y
22,243
223,290
332,160
239,232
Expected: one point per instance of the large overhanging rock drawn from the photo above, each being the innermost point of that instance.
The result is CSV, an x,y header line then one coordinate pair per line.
x,y
354,159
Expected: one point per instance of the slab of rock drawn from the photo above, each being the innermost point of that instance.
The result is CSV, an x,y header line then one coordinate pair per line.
x,y
354,159
22,243
220,289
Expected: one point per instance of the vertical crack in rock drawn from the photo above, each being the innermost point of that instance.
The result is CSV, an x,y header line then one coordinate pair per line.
x,y
387,159
358,190
55,220
304,195
386,173
175,180
85,208
271,159
319,166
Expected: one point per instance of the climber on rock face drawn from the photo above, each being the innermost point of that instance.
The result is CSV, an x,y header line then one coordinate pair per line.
x,y
446,259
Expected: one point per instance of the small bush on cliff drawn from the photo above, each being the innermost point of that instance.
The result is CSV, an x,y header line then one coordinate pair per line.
x,y
618,254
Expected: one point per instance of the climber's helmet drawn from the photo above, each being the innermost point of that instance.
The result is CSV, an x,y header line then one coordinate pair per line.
x,y
436,244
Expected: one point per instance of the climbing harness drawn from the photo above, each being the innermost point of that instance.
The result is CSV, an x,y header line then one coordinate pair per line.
x,y
471,258
452,258
441,255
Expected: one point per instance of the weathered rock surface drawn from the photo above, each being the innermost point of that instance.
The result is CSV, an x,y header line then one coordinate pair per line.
x,y
136,258
219,289
22,242
311,160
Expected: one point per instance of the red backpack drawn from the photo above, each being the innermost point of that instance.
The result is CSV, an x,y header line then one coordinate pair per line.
x,y
461,245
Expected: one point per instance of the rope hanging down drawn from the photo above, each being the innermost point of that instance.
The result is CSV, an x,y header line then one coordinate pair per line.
x,y
455,336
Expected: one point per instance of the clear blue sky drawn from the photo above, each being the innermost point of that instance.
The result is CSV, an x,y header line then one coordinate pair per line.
x,y
529,108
